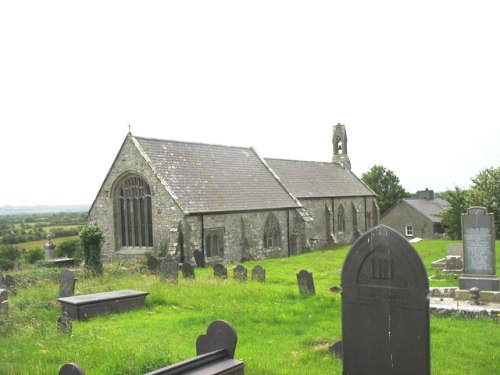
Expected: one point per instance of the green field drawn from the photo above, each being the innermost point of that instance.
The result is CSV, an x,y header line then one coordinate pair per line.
x,y
279,331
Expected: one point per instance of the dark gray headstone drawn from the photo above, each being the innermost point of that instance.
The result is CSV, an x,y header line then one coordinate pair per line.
x,y
220,335
305,282
240,273
259,274
67,282
4,303
478,231
10,285
336,349
385,309
71,369
153,264
187,270
169,269
199,258
220,271
64,323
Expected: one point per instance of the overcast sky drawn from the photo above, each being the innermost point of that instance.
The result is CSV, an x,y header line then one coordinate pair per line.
x,y
417,85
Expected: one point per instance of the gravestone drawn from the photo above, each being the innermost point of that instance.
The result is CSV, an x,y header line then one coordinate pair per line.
x,y
306,282
49,248
1,279
336,349
67,282
220,271
64,323
478,232
187,270
199,258
240,273
169,269
259,274
153,264
10,285
456,249
453,263
4,303
385,309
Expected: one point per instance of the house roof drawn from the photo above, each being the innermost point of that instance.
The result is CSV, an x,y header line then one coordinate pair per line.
x,y
307,179
212,178
431,209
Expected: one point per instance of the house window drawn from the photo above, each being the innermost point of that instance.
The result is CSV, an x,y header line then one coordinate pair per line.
x,y
214,242
135,215
409,230
341,219
272,232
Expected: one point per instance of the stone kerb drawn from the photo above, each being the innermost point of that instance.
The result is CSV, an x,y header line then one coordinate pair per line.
x,y
385,309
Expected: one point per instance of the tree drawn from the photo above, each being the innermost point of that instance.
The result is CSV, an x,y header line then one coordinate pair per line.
x,y
91,237
451,218
485,192
386,185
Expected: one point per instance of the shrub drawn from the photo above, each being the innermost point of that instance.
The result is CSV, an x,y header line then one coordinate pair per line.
x,y
34,255
91,237
8,256
69,248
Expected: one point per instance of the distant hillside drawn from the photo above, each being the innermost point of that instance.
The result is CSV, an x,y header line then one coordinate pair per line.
x,y
24,210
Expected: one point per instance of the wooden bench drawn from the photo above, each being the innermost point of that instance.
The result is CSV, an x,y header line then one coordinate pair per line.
x,y
214,356
89,305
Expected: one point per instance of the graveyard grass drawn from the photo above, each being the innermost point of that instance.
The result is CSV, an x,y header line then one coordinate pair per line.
x,y
279,331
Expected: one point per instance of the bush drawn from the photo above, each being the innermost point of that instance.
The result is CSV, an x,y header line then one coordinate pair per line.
x,y
91,237
69,248
8,256
34,255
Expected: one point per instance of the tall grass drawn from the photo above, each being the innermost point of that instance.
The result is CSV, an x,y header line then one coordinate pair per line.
x,y
279,331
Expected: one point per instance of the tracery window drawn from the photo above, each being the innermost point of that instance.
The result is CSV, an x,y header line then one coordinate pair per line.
x,y
341,219
272,232
136,222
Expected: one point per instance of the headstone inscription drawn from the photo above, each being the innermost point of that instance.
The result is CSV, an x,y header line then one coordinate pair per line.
x,y
259,274
306,282
385,309
4,303
153,264
67,282
478,232
187,270
220,272
169,269
10,285
240,273
199,258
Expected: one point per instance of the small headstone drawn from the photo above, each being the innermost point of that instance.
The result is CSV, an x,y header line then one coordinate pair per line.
x,y
71,369
474,296
49,248
4,303
17,264
199,258
336,349
385,309
67,282
64,323
169,269
187,270
240,273
306,282
220,271
10,285
478,231
259,274
153,264
454,263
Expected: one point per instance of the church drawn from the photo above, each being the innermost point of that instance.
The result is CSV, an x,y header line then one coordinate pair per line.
x,y
228,202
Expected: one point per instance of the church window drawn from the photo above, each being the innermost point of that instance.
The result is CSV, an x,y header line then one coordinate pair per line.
x,y
214,242
272,232
341,219
134,199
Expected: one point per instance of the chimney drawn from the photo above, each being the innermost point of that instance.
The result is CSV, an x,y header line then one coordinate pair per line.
x,y
425,194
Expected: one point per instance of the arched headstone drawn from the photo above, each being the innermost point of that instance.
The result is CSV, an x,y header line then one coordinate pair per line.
x,y
220,271
385,309
306,282
259,274
240,273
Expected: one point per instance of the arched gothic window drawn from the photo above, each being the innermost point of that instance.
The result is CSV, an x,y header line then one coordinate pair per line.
x,y
136,219
272,232
341,219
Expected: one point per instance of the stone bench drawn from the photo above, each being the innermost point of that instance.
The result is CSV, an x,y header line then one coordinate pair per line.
x,y
89,305
214,356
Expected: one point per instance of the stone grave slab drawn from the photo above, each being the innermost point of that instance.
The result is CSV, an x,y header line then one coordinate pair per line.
x,y
478,232
259,274
306,282
240,273
220,271
385,309
67,282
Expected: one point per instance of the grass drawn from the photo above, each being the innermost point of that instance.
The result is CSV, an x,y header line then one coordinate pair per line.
x,y
279,331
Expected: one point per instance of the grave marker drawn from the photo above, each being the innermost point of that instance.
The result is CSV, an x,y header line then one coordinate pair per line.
x,y
306,282
153,264
187,270
220,271
199,258
10,285
259,274
478,231
240,273
4,303
385,309
64,323
169,269
67,282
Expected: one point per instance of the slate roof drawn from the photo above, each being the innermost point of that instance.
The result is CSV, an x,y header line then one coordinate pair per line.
x,y
212,178
431,209
308,179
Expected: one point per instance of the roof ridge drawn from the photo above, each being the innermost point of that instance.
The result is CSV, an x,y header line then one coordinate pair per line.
x,y
301,161
192,143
